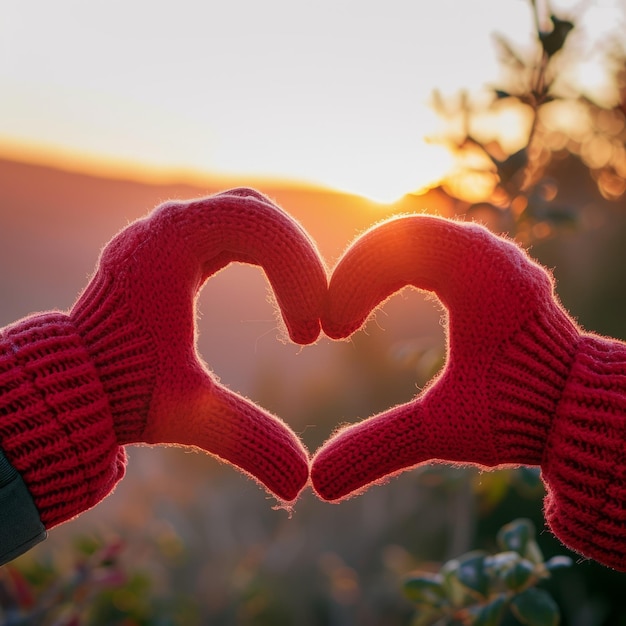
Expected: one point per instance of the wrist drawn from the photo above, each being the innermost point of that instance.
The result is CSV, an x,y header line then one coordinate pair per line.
x,y
56,428
121,352
528,378
584,465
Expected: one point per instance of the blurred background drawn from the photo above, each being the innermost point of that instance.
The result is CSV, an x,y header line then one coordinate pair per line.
x,y
510,112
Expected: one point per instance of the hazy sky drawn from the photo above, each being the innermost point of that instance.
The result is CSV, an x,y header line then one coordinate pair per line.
x,y
330,91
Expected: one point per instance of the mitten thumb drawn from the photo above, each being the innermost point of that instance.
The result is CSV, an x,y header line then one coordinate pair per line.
x,y
204,414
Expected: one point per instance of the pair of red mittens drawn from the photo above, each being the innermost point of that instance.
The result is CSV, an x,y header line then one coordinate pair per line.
x,y
522,383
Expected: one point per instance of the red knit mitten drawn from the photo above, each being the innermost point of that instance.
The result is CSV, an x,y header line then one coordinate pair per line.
x,y
122,366
522,384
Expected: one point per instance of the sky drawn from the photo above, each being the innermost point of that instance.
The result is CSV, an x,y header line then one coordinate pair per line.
x,y
331,92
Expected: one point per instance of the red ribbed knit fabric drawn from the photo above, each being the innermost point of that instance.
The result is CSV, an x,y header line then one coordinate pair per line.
x,y
121,366
522,383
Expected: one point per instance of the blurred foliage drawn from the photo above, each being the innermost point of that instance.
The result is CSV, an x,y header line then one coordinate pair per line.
x,y
95,586
223,559
478,589
507,180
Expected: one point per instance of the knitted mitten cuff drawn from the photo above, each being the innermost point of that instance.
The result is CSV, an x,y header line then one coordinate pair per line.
x,y
56,427
584,465
527,379
121,350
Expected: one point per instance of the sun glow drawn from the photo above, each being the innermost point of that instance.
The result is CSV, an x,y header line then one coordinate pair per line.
x,y
331,94
424,168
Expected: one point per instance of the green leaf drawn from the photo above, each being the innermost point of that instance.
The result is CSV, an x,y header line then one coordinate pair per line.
x,y
456,591
497,564
519,536
519,575
534,553
488,614
497,567
471,572
558,562
425,588
536,607
516,536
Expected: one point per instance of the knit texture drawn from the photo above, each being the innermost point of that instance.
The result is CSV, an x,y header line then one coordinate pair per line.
x,y
521,385
584,465
56,427
121,367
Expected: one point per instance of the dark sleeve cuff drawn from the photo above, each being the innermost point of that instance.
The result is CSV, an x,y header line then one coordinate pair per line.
x,y
20,525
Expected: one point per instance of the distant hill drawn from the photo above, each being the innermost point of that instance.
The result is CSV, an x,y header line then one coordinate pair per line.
x,y
40,196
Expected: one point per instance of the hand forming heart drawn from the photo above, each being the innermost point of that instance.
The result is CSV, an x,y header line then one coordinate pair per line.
x,y
510,349
522,384
121,367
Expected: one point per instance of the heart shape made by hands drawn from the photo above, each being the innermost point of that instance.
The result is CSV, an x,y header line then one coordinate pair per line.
x,y
510,344
522,384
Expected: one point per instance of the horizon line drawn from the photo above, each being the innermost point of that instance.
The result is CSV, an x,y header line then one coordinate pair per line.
x,y
89,164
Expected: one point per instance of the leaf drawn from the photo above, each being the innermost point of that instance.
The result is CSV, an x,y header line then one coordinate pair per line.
x,y
519,575
516,535
519,535
507,54
553,41
497,565
489,614
502,95
536,607
534,553
511,165
558,562
455,590
425,588
471,572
